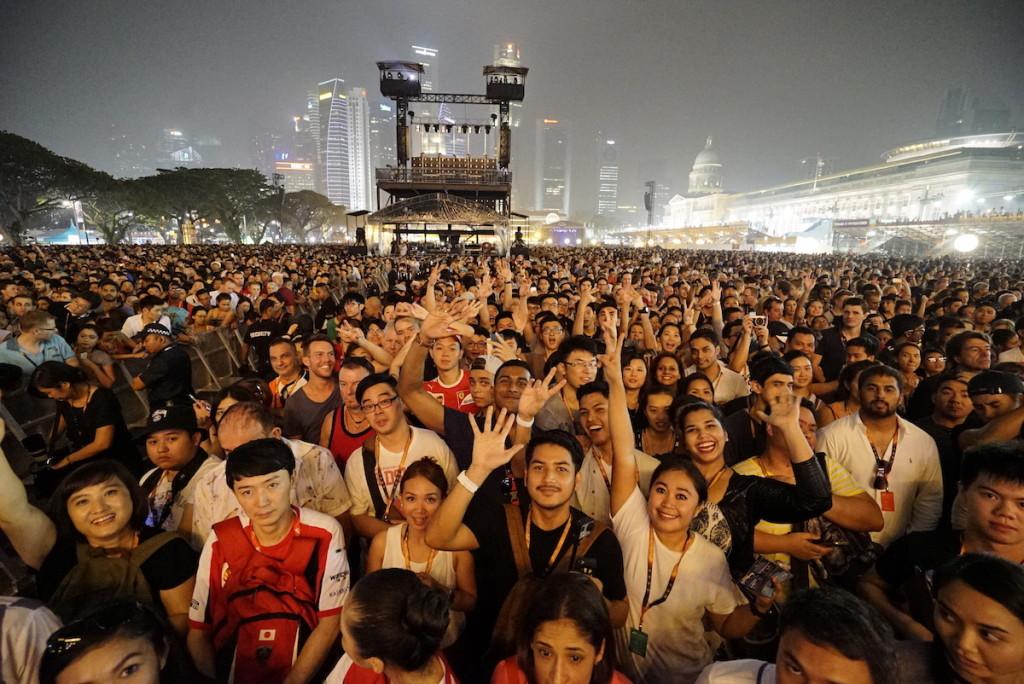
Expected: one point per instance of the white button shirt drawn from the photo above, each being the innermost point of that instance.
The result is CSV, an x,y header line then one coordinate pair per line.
x,y
915,479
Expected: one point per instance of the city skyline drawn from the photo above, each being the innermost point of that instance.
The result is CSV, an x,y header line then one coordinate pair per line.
x,y
773,85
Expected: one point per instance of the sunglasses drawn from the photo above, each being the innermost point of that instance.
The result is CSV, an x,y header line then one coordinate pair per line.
x,y
103,622
882,470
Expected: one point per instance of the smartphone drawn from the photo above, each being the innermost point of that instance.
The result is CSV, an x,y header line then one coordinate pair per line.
x,y
587,566
758,580
834,543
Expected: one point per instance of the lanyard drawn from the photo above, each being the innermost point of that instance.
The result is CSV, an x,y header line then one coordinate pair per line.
x,y
408,557
604,473
561,541
389,495
716,477
646,606
880,463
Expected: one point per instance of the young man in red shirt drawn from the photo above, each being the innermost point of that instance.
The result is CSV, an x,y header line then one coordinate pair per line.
x,y
271,582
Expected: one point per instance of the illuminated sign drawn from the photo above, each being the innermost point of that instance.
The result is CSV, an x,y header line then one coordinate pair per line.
x,y
550,121
425,51
325,96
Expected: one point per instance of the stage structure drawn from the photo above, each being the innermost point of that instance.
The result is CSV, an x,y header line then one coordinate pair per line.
x,y
453,196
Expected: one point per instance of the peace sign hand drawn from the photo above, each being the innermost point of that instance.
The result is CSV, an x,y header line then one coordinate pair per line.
x,y
489,450
537,393
611,360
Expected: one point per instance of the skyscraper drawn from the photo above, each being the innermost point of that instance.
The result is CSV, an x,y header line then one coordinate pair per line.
x,y
345,162
382,133
334,141
360,164
552,173
430,143
608,178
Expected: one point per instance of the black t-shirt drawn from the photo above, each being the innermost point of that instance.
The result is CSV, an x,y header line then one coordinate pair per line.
x,y
746,438
170,566
103,409
259,336
500,485
496,566
168,378
950,458
915,554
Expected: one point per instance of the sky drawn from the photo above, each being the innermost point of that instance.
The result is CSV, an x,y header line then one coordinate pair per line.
x,y
773,81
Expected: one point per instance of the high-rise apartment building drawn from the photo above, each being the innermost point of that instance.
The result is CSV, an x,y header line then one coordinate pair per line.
x,y
552,172
607,178
345,163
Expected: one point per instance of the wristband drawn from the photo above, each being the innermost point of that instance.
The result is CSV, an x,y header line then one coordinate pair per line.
x,y
521,422
463,479
643,311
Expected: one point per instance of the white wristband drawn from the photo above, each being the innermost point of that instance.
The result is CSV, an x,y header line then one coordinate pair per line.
x,y
464,480
524,423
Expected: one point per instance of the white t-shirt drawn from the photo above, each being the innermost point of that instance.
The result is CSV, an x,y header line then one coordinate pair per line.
x,y
317,484
425,443
677,650
162,491
592,496
340,673
134,325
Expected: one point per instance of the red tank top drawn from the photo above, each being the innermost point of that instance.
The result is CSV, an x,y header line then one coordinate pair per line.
x,y
342,442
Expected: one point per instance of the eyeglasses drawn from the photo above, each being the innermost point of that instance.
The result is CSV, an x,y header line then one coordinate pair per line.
x,y
383,404
593,363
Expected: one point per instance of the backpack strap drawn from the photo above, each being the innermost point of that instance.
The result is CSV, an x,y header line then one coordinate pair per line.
x,y
517,538
142,552
235,546
369,470
588,532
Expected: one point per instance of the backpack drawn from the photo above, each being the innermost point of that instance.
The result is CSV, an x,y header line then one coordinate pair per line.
x,y
585,532
98,579
268,609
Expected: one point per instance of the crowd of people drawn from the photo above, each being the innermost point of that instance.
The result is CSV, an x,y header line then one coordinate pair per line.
x,y
582,466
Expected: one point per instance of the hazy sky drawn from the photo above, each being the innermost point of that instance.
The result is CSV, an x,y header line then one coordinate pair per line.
x,y
772,81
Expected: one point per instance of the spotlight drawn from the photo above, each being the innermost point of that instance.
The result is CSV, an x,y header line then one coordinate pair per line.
x,y
448,128
968,242
476,130
487,129
465,129
437,128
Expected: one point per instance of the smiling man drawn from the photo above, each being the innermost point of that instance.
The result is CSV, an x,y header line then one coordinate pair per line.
x,y
271,581
594,482
374,470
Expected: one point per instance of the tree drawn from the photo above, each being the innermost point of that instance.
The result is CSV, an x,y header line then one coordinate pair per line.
x,y
174,193
34,182
116,207
305,211
232,196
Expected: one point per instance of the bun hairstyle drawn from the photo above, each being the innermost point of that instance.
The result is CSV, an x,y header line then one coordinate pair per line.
x,y
398,618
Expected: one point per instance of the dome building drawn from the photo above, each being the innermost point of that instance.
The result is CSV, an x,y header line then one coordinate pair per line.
x,y
706,174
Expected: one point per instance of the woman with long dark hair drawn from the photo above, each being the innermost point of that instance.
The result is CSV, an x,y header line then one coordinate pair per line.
x,y
656,433
565,636
88,415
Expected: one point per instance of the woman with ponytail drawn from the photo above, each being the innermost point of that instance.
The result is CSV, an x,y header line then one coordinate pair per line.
x,y
391,630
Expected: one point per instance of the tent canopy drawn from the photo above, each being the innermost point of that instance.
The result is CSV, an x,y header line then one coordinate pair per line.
x,y
438,208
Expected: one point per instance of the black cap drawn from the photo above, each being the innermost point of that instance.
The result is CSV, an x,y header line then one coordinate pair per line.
x,y
995,382
172,417
155,329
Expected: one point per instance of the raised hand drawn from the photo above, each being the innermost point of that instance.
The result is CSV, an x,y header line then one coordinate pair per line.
x,y
537,393
506,350
611,360
349,333
489,450
785,411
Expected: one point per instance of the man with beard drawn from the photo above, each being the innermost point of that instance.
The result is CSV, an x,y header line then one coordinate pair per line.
x,y
517,544
305,409
374,471
892,459
770,376
110,305
594,485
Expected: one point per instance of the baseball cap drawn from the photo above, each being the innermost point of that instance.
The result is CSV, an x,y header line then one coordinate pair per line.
x,y
172,417
995,382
